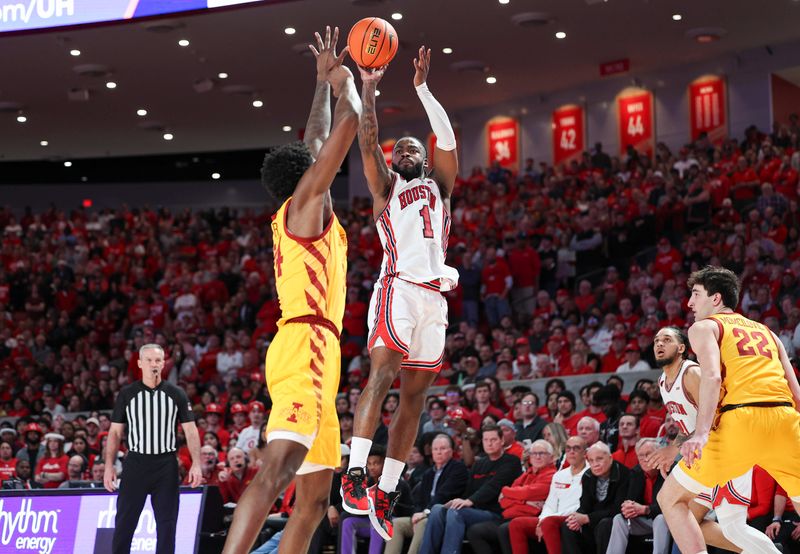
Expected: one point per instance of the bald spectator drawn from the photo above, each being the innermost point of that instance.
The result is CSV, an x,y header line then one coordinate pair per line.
x,y
238,473
604,488
76,473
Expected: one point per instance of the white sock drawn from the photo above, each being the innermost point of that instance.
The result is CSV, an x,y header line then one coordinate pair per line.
x,y
359,451
392,471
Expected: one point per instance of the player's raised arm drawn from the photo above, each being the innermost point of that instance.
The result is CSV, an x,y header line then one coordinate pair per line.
x,y
446,159
379,177
318,126
318,178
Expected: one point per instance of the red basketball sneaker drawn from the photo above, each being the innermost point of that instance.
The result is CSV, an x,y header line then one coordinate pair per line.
x,y
382,504
354,491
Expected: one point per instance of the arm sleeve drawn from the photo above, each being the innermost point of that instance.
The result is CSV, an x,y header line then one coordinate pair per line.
x,y
118,415
185,413
440,123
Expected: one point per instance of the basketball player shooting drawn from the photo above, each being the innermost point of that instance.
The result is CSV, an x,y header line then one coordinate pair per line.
x,y
407,314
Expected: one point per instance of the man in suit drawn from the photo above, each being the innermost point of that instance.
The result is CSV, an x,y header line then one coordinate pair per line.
x,y
440,484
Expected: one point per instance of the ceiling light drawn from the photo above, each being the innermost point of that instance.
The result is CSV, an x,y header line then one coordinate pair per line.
x,y
257,103
504,1
183,42
67,164
491,80
561,34
22,118
677,17
111,85
141,112
290,30
377,92
447,50
43,143
286,128
168,136
397,16
215,176
74,52
222,75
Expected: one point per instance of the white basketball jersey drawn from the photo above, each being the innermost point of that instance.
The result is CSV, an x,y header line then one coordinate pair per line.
x,y
682,410
414,228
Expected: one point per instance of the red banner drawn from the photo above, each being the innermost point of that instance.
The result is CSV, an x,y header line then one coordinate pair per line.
x,y
387,146
708,108
635,113
503,141
614,67
568,134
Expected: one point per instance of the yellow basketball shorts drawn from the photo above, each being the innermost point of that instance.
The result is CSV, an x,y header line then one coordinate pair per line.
x,y
303,365
745,437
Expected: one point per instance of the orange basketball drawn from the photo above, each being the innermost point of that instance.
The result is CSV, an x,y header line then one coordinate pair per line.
x,y
373,42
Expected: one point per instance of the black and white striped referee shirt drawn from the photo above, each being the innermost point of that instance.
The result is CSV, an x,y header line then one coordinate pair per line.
x,y
152,416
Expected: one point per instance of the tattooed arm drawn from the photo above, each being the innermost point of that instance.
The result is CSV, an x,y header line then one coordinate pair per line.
x,y
379,176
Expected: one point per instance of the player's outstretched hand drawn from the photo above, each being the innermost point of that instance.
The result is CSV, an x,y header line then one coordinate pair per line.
x,y
692,449
109,477
373,75
422,65
325,53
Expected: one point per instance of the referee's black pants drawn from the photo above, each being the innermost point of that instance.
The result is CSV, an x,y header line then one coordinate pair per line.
x,y
143,474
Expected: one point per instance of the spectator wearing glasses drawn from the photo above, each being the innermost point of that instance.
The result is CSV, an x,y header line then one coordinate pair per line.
x,y
436,423
530,426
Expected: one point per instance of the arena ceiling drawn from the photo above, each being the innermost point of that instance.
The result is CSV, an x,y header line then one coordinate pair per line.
x,y
248,43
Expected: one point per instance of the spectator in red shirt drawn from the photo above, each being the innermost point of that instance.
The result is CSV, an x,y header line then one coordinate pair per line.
x,y
628,437
667,258
637,406
483,406
51,469
510,443
567,415
745,183
214,422
525,265
616,354
495,285
586,298
7,461
236,476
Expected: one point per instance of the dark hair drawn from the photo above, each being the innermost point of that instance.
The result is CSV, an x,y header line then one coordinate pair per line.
x,y
556,380
606,394
634,416
436,402
569,396
492,427
483,384
617,378
377,450
533,394
718,280
638,394
283,167
682,338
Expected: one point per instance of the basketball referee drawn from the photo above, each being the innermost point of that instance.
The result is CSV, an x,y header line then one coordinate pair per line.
x,y
151,409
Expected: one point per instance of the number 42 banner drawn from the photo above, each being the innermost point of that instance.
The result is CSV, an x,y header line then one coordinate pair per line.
x,y
569,134
635,120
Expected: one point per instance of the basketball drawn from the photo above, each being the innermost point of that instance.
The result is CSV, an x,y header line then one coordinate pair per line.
x,y
373,42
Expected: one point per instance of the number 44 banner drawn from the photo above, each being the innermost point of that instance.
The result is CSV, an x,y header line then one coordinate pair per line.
x,y
635,120
569,135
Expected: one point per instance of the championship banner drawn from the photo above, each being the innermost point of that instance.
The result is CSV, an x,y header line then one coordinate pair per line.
x,y
636,128
387,147
77,522
503,142
708,108
26,15
569,133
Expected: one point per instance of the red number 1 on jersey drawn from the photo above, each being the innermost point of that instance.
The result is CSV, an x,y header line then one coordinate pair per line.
x,y
427,228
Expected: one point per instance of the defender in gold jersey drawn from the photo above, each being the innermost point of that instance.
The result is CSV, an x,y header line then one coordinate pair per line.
x,y
303,361
747,410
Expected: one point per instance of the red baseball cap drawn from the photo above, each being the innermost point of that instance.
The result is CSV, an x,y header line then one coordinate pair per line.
x,y
523,359
257,406
256,376
455,412
35,427
238,408
632,347
522,341
617,336
215,409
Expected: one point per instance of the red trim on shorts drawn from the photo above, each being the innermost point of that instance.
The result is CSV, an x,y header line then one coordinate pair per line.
x,y
384,326
316,320
417,365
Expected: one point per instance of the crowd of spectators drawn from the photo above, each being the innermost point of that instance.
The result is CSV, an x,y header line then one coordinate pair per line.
x,y
563,271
